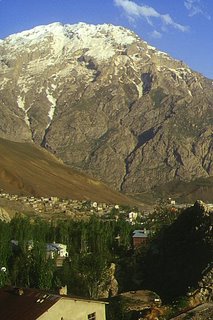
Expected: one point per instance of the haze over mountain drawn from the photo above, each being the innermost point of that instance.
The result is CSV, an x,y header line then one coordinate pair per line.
x,y
107,103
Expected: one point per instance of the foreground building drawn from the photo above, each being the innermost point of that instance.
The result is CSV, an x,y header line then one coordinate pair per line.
x,y
32,304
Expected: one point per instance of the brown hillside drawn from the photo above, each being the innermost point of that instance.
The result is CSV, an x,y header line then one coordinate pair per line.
x,y
28,169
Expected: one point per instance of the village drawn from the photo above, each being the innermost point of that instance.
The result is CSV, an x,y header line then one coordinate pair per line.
x,y
75,209
54,207
69,207
57,243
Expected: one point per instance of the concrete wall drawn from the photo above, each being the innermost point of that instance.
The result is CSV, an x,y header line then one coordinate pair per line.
x,y
70,309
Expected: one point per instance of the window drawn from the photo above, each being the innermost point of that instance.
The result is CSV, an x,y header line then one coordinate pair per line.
x,y
91,316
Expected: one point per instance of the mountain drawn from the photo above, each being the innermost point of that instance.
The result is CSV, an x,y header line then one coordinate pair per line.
x,y
30,170
106,102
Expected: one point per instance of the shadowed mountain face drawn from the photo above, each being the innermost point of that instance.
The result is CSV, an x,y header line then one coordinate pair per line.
x,y
106,102
30,170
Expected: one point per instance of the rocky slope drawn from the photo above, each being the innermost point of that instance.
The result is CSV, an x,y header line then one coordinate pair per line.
x,y
106,102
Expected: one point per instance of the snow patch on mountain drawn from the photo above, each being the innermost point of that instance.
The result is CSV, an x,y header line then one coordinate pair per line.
x,y
190,93
21,105
150,47
139,87
52,101
25,82
181,73
101,40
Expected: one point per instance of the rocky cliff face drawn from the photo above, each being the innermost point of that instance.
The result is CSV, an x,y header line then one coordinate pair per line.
x,y
104,101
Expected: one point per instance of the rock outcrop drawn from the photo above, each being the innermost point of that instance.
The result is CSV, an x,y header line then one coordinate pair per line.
x,y
204,292
109,285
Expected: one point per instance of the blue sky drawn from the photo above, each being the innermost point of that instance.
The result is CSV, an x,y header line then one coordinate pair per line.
x,y
182,28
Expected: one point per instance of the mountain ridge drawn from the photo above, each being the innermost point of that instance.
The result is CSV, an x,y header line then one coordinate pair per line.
x,y
107,103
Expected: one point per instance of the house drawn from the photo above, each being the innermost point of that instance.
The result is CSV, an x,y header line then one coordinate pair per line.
x,y
94,205
132,216
140,238
29,244
53,250
32,304
58,250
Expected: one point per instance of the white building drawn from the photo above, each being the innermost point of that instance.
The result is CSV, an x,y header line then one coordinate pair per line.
x,y
59,249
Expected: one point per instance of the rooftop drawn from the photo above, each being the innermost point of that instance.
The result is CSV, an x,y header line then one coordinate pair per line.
x,y
140,233
24,304
29,304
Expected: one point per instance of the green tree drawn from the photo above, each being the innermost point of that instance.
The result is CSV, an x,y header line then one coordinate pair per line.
x,y
42,268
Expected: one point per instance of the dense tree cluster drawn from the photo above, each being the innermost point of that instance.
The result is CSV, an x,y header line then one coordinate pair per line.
x,y
92,246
